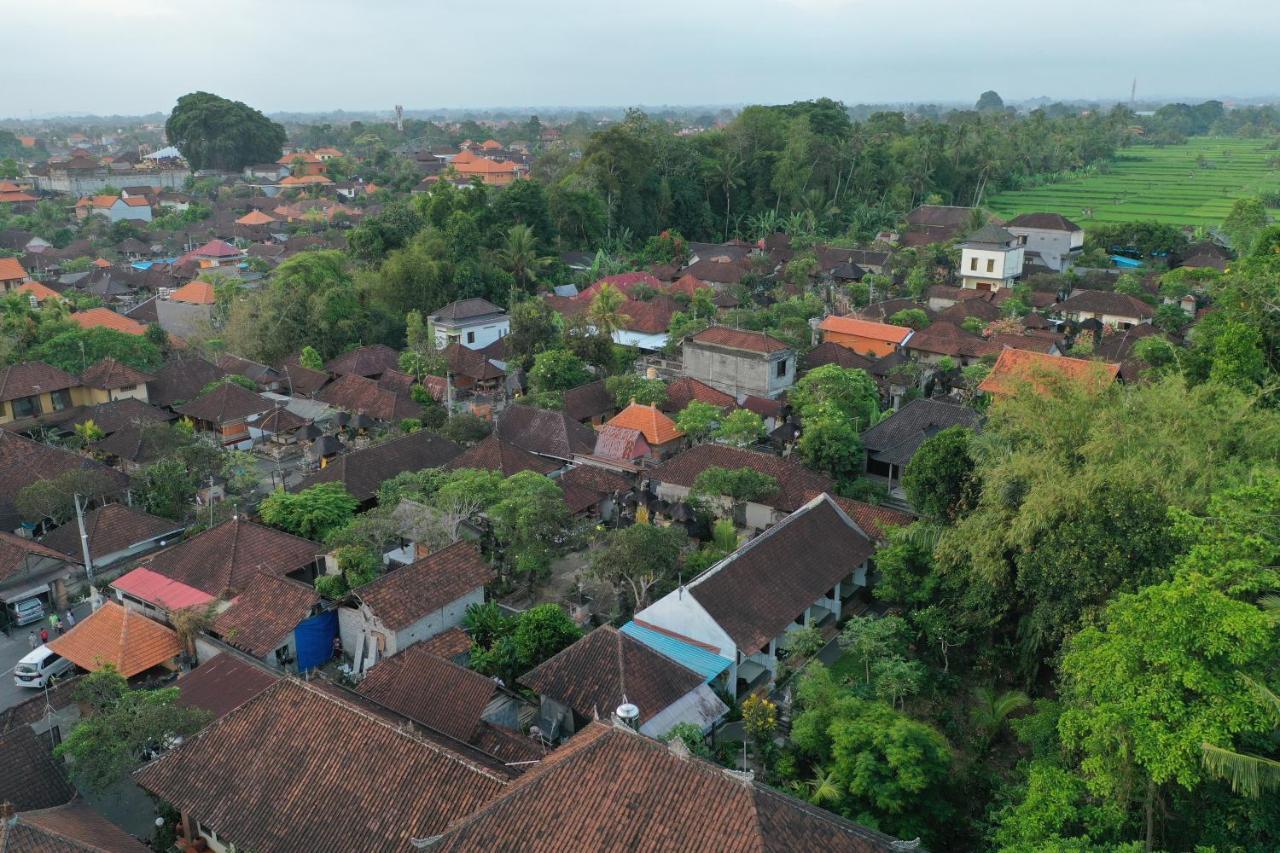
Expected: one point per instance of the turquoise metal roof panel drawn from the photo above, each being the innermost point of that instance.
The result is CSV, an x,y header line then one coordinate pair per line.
x,y
705,663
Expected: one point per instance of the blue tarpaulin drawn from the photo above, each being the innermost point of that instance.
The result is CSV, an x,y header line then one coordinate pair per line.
x,y
314,639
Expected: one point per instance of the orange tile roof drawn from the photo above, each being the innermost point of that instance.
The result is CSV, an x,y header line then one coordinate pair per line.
x,y
9,187
14,196
119,636
304,180
195,293
11,270
103,200
656,427
864,329
39,291
137,201
106,318
255,217
102,263
1015,368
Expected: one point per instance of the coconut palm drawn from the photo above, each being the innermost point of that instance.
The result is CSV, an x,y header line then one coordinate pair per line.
x,y
823,788
991,710
605,312
519,256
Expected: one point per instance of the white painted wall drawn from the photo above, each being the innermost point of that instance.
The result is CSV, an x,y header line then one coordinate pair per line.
x,y
1005,264
680,612
484,333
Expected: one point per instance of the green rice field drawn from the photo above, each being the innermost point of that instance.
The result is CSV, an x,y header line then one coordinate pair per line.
x,y
1162,184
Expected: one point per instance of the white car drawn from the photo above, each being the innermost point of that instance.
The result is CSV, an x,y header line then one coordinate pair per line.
x,y
39,667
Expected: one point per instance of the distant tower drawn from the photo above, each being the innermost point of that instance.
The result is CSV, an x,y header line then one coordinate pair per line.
x,y
1133,93
399,118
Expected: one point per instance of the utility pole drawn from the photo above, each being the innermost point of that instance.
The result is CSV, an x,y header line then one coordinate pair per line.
x,y
84,539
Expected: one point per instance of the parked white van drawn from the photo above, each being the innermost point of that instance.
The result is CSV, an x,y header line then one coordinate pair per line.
x,y
38,667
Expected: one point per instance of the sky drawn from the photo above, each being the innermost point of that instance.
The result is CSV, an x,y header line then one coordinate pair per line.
x,y
137,56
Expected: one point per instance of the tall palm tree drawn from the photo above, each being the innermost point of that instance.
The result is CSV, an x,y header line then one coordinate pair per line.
x,y
519,255
605,312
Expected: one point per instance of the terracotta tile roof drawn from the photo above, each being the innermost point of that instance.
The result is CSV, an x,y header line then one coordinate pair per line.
x,y
1105,302
216,249
39,291
119,636
656,427
612,790
372,360
865,329
756,592
1016,368
943,338
874,520
601,481
797,485
66,829
765,407
430,690
15,551
267,776
450,645
588,401
494,454
23,461
109,374
223,684
363,471
11,270
742,339
256,217
33,377
32,779
615,442
360,395
106,318
111,528
829,352
222,559
195,293
225,404
606,668
544,432
265,613
471,363
403,596
180,379
685,390
155,588
13,197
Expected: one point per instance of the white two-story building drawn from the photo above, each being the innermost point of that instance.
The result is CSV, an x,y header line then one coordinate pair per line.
x,y
990,259
473,323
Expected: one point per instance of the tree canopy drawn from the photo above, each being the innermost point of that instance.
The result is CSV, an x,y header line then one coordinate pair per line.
x,y
215,133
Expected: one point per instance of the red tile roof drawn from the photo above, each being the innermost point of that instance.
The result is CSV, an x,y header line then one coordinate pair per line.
x,y
430,690
106,318
223,684
403,596
222,559
656,427
265,613
66,829
1017,368
742,339
685,390
865,329
274,774
120,636
195,293
11,270
797,485
875,520
155,588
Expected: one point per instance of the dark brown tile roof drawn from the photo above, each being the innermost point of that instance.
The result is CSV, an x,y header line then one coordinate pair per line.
x,y
23,462
119,414
685,390
260,373
373,360
61,694
361,395
265,613
494,454
280,420
471,363
66,829
588,401
1105,302
298,768
110,528
612,790
16,551
225,404
756,592
180,379
108,374
33,377
1043,221
510,746
224,683
403,596
796,483
296,379
544,432
896,438
947,216
607,668
31,779
363,471
601,481
880,312
829,352
741,339
450,645
467,309
222,559
430,690
943,338
874,520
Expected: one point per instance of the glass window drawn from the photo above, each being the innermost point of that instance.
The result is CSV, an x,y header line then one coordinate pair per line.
x,y
991,264
61,399
782,368
25,407
973,263
471,337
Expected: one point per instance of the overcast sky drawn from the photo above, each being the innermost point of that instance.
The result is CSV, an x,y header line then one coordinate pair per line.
x,y
137,56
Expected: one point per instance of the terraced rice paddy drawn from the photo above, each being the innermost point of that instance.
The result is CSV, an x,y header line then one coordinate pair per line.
x,y
1162,184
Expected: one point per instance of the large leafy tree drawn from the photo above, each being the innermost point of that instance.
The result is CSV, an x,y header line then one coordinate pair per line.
x,y
77,349
215,133
312,513
939,478
529,523
834,390
639,559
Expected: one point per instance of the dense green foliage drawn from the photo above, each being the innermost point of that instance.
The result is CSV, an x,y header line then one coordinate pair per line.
x,y
215,133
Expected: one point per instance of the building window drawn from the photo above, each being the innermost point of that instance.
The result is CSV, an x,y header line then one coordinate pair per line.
x,y
471,337
25,407
782,368
991,264
973,264
61,399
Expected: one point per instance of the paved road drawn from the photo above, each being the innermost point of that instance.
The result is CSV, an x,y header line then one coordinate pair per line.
x,y
13,650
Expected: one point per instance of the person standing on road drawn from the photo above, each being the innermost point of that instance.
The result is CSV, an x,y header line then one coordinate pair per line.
x,y
53,619
44,636
71,620
57,625
31,640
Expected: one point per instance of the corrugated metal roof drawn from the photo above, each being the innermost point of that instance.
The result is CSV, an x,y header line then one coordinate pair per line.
x,y
155,588
705,663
